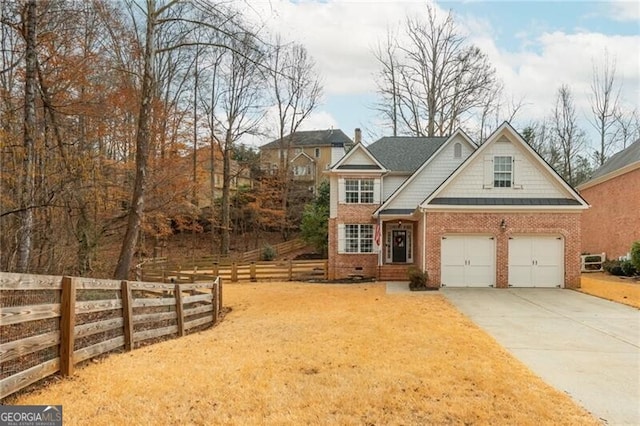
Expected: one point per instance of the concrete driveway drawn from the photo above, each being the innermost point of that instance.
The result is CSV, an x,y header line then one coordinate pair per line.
x,y
580,344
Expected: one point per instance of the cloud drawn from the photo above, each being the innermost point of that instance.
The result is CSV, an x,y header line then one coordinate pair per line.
x,y
340,35
625,10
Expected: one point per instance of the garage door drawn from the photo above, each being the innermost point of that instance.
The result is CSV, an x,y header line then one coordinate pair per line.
x,y
536,261
468,261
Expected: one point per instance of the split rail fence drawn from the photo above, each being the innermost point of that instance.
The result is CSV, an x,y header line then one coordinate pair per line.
x,y
50,324
288,270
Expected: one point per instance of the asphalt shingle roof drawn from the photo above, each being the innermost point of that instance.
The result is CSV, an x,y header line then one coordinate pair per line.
x,y
313,138
630,154
404,154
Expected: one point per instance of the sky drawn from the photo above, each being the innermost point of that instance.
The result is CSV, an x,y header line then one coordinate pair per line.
x,y
535,46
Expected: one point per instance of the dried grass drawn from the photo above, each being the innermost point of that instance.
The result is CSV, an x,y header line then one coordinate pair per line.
x,y
612,288
317,354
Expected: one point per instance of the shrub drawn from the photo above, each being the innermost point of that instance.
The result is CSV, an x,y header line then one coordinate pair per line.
x,y
635,255
628,268
268,253
417,279
613,267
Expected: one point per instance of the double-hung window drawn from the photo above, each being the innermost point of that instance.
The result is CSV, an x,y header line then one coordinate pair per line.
x,y
502,171
359,191
358,238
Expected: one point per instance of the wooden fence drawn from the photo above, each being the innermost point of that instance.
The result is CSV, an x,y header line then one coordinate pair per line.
x,y
206,261
288,270
50,324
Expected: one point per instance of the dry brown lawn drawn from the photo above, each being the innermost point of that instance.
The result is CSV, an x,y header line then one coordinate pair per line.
x,y
300,353
612,288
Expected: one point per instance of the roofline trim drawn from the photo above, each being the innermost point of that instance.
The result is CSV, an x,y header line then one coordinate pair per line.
x,y
613,174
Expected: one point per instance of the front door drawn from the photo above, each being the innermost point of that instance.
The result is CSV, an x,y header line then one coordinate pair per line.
x,y
399,252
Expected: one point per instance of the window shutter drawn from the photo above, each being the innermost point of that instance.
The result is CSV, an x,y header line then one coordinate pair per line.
x,y
488,171
341,191
517,172
341,238
376,191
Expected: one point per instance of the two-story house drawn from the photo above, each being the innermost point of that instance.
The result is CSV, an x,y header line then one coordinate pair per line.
x,y
491,215
307,153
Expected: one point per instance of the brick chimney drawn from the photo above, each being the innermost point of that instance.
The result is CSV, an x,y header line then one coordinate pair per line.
x,y
357,139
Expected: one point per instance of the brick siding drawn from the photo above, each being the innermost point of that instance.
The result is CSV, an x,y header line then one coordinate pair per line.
x,y
564,224
342,265
613,222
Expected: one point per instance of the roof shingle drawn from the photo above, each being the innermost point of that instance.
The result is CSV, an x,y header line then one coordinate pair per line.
x,y
312,138
629,155
404,154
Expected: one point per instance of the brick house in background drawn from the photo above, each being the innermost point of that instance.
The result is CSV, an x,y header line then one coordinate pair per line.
x,y
612,223
308,153
490,215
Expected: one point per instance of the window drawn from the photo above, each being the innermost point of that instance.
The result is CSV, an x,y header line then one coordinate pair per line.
x,y
359,191
317,153
457,150
358,238
502,171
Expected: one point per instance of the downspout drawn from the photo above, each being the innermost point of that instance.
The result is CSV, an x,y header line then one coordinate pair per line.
x,y
424,240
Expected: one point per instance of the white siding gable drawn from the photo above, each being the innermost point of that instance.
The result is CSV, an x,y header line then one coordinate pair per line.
x,y
530,179
430,177
390,184
359,157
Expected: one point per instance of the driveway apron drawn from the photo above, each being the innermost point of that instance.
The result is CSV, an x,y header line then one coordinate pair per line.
x,y
582,345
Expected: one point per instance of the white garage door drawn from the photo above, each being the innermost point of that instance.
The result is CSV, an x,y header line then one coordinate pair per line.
x,y
536,261
468,261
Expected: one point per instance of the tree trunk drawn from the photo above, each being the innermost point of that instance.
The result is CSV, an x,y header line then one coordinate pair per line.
x,y
136,208
226,198
25,235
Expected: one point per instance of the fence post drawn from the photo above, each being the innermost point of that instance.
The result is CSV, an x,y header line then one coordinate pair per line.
x,y
290,272
215,293
127,314
67,324
252,271
325,268
216,269
179,309
234,272
195,271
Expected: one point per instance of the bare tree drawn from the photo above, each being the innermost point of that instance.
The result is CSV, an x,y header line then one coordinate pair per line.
x,y
25,236
569,137
143,136
629,126
438,78
239,86
604,104
296,91
388,81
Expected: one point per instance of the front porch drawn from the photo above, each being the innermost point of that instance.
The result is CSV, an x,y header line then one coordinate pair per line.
x,y
397,254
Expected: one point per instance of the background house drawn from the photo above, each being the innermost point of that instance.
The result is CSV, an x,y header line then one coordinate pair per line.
x,y
612,223
308,154
495,215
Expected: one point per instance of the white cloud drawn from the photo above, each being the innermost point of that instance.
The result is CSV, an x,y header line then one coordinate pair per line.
x,y
340,35
625,10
